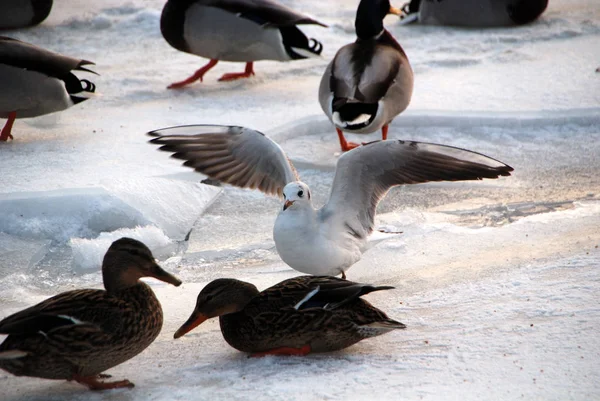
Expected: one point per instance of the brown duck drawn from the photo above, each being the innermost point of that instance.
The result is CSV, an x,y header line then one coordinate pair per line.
x,y
79,334
295,317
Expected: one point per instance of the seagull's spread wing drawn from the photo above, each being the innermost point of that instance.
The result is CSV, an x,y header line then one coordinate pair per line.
x,y
365,174
236,155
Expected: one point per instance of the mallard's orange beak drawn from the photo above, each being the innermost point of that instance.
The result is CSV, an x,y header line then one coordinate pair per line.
x,y
194,321
395,11
287,204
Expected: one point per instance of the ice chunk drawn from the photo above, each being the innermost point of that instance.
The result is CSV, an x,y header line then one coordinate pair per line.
x,y
172,205
18,254
88,253
61,214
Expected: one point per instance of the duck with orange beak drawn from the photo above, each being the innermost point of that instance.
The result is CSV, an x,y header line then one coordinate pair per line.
x,y
295,317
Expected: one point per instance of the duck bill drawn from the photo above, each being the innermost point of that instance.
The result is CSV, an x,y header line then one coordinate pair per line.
x,y
194,321
287,204
160,274
395,11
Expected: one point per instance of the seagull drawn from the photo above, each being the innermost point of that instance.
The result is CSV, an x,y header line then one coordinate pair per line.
x,y
325,241
236,30
368,82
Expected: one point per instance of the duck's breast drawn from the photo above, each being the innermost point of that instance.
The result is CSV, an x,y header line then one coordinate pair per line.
x,y
30,93
218,34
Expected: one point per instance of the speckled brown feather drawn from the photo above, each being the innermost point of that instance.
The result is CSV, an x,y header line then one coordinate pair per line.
x,y
270,320
79,334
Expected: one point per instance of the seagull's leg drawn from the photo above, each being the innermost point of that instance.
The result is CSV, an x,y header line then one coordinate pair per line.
x,y
231,76
283,351
384,131
346,146
197,76
5,134
94,384
343,275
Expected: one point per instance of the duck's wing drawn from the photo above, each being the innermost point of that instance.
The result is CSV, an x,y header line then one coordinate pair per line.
x,y
310,303
364,71
263,12
304,292
236,155
15,53
72,308
365,174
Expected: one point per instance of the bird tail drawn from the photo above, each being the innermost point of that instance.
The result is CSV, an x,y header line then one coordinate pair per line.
x,y
388,324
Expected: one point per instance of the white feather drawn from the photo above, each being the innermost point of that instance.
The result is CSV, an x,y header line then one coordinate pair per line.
x,y
307,297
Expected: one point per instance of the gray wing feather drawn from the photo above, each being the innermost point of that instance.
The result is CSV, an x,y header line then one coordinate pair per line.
x,y
365,174
364,80
236,155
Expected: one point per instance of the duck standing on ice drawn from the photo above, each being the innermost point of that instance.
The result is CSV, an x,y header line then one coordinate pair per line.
x,y
368,82
35,81
236,30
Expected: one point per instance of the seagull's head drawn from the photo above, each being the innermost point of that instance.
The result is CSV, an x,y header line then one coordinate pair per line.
x,y
296,194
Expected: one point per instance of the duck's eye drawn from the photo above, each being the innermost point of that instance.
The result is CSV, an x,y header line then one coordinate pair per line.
x,y
209,297
300,193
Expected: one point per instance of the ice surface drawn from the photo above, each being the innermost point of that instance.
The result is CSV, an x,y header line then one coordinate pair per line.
x,y
496,280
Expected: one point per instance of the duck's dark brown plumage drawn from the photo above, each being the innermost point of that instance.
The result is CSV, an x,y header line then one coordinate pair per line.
x,y
78,334
297,316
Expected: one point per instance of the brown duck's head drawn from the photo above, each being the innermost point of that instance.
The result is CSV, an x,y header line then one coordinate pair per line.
x,y
220,297
126,261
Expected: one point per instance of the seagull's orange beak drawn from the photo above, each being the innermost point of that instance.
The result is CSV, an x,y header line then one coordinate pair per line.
x,y
287,204
395,11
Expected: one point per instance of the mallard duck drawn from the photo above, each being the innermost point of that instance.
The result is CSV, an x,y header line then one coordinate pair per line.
x,y
35,81
368,82
236,30
79,334
331,239
295,317
23,13
474,13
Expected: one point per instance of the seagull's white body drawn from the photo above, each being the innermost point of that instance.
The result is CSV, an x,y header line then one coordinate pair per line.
x,y
325,241
332,249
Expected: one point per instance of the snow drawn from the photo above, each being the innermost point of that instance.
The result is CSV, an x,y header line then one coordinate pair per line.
x,y
497,280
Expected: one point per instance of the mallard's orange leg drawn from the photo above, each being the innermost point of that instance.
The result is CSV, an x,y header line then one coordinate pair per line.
x,y
94,384
5,134
384,131
283,351
231,76
198,75
346,146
